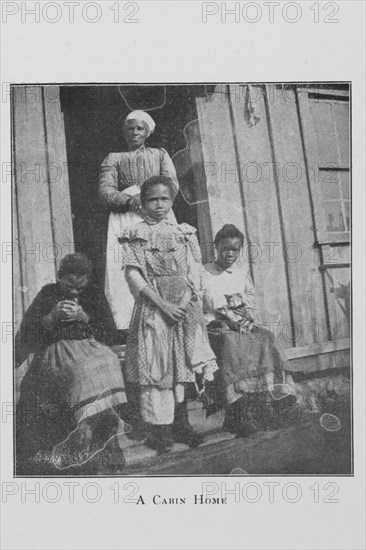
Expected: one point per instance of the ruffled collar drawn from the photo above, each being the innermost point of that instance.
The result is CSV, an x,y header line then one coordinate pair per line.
x,y
148,231
168,239
151,221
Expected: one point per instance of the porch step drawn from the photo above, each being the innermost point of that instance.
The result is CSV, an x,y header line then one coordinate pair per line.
x,y
295,450
303,448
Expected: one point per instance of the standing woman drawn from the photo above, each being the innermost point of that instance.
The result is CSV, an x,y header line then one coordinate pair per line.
x,y
121,177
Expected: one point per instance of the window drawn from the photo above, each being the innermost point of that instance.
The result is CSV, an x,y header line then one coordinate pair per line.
x,y
330,114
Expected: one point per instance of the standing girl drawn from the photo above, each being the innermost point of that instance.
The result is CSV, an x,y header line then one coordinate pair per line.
x,y
167,343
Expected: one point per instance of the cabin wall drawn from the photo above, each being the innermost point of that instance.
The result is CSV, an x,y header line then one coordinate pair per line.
x,y
275,161
42,227
264,149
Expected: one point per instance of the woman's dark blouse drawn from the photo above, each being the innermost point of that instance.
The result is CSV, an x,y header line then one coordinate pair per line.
x,y
33,337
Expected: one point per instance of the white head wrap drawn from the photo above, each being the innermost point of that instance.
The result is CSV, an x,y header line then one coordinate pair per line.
x,y
145,117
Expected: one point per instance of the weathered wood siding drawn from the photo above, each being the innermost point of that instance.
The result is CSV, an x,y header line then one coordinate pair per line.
x,y
42,223
283,180
326,119
268,179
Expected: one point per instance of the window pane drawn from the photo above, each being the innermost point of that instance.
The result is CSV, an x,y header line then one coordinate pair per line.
x,y
330,184
345,184
331,120
325,129
341,115
334,216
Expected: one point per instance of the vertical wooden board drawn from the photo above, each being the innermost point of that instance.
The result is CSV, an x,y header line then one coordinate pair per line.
x,y
220,160
256,165
18,308
338,286
306,106
33,207
312,153
305,279
203,207
326,134
58,175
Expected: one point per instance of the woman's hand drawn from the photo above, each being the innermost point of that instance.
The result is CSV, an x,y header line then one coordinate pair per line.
x,y
68,311
60,310
56,314
134,204
175,313
72,312
64,311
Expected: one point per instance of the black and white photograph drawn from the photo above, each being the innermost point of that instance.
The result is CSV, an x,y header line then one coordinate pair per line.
x,y
182,275
182,279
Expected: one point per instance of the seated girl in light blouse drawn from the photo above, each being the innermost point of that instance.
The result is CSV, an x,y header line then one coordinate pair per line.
x,y
251,362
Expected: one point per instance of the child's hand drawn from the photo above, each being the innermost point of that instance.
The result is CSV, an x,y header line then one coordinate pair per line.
x,y
248,324
234,300
184,304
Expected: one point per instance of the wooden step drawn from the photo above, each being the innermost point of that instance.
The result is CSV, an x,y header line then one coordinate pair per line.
x,y
303,448
294,450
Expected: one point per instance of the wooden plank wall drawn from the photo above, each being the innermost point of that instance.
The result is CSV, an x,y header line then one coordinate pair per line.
x,y
41,204
18,288
220,164
298,224
220,161
326,133
200,182
261,203
259,178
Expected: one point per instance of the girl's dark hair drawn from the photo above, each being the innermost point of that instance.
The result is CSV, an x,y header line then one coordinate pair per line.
x,y
228,231
75,264
157,180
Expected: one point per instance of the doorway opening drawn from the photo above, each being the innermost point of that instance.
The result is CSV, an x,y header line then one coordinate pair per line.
x,y
93,119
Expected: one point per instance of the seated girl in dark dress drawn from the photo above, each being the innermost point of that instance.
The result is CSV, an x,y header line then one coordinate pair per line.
x,y
72,394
